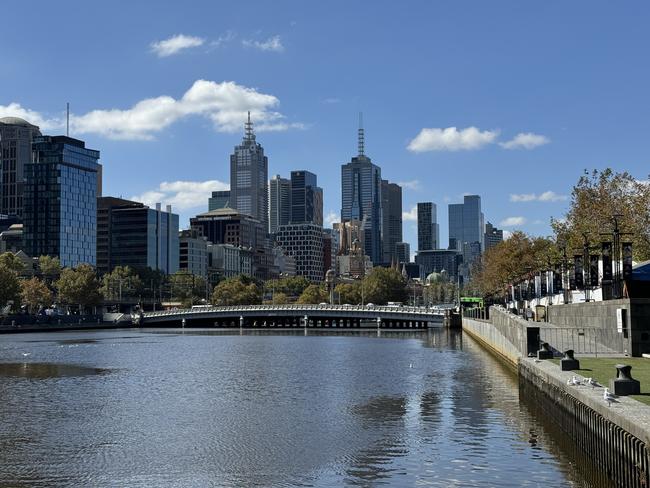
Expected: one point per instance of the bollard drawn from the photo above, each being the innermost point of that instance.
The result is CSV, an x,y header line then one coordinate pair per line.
x,y
624,384
568,362
545,352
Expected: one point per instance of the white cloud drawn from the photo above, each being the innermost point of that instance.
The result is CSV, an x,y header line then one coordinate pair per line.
x,y
182,195
271,44
512,221
175,44
411,185
219,41
451,139
411,215
547,196
31,116
525,140
330,218
507,234
226,104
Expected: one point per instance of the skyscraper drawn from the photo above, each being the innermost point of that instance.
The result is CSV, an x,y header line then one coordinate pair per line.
x,y
16,136
403,252
279,203
361,199
391,213
428,228
249,177
60,200
466,222
219,199
306,199
492,236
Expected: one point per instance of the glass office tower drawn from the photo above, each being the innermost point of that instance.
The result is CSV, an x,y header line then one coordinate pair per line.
x,y
428,230
306,198
60,200
391,212
279,203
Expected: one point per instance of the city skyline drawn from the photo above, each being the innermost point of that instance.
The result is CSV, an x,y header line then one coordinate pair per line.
x,y
498,122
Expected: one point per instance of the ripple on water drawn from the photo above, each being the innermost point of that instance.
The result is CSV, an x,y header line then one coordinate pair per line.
x,y
47,370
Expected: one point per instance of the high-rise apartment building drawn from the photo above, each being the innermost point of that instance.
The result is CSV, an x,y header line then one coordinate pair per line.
x,y
466,222
391,212
249,177
428,228
16,136
361,199
492,236
306,198
304,242
60,200
132,234
279,203
219,199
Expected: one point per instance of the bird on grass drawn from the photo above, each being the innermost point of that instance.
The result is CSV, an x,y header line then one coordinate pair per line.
x,y
608,397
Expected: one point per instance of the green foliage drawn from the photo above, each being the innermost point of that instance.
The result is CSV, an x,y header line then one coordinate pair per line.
x,y
35,294
238,290
123,282
349,293
79,286
152,281
595,199
279,299
187,288
313,294
9,287
440,292
291,285
50,267
384,285
10,261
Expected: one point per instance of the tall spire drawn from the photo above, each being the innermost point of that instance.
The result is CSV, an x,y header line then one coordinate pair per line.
x,y
248,126
361,134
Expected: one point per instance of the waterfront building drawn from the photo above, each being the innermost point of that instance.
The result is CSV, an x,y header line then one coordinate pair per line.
x,y
226,261
193,252
428,228
249,177
391,212
437,260
219,199
403,252
60,200
306,199
492,236
16,136
132,234
361,199
279,202
304,242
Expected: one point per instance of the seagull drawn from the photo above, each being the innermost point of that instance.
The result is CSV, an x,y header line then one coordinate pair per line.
x,y
574,381
608,397
410,365
27,354
592,382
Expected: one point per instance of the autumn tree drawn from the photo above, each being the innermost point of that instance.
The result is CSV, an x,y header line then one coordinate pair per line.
x,y
79,286
11,261
35,294
238,290
349,293
50,268
291,285
9,288
595,199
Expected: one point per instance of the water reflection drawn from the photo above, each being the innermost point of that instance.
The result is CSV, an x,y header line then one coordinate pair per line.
x,y
46,370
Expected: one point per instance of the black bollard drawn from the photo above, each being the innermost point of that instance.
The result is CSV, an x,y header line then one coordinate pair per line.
x,y
545,352
624,384
568,362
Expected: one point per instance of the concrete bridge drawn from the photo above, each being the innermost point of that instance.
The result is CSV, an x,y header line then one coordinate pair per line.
x,y
287,316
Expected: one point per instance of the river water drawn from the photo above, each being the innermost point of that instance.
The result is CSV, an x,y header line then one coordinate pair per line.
x,y
198,408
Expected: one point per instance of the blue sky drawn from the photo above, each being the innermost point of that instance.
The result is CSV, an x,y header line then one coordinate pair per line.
x,y
511,100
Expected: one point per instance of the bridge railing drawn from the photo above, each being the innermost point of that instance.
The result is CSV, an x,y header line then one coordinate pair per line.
x,y
293,307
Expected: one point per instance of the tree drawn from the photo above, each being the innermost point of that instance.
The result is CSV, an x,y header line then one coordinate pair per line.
x,y
9,288
384,285
238,290
313,294
79,286
121,283
152,281
11,261
291,285
278,299
187,288
595,199
50,267
35,294
349,293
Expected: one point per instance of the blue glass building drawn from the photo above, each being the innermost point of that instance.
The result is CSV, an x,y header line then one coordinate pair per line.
x,y
60,200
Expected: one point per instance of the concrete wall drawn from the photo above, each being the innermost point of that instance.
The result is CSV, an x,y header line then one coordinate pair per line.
x,y
488,335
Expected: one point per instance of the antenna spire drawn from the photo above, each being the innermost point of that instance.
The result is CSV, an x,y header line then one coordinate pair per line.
x,y
361,134
67,119
250,136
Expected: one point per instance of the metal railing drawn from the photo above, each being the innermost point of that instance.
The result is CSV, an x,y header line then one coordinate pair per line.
x,y
584,340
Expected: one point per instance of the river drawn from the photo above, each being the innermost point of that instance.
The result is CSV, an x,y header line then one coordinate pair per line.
x,y
198,408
